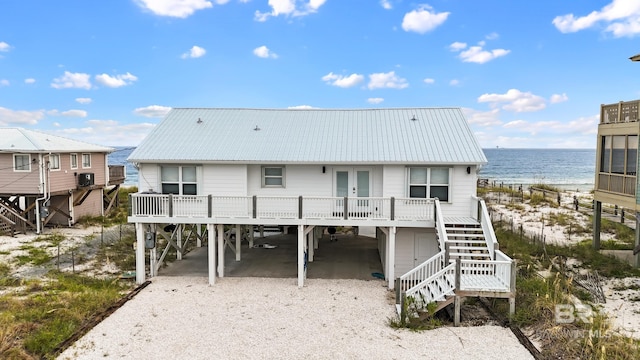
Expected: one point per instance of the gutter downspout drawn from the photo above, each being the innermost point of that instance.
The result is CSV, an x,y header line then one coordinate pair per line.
x,y
43,170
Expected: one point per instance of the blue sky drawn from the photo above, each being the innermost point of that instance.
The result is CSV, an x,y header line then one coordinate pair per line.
x,y
528,74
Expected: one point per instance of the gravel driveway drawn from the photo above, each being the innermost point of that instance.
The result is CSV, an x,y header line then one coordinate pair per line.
x,y
266,318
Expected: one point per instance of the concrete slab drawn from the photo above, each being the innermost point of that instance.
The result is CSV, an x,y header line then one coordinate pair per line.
x,y
351,257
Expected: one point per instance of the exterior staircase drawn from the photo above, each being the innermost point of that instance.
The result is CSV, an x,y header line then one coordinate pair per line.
x,y
11,222
468,264
466,241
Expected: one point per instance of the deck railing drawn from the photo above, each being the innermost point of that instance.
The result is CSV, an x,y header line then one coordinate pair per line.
x,y
481,214
282,207
622,112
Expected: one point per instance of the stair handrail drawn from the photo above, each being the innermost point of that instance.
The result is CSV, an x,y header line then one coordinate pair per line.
x,y
9,222
482,216
423,271
16,217
440,228
447,290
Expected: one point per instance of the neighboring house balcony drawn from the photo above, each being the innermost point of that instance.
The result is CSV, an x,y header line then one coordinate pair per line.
x,y
282,210
622,112
117,174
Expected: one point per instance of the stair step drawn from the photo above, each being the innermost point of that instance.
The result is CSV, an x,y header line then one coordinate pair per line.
x,y
465,241
469,255
464,235
470,248
463,228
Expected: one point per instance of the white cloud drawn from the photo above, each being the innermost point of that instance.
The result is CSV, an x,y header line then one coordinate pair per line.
x,y
483,118
4,47
116,81
429,81
194,52
4,82
477,54
30,81
72,80
74,113
423,19
289,8
264,52
386,80
343,81
492,36
558,98
152,111
176,8
454,82
581,126
515,100
84,100
302,107
375,100
621,17
117,134
68,113
386,4
19,117
457,46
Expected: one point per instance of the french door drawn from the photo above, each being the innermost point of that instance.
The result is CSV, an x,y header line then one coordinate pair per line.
x,y
353,182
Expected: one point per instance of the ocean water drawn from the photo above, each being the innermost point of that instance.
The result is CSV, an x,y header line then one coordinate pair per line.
x,y
564,168
119,157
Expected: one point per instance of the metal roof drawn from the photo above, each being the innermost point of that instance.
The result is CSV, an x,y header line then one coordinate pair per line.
x,y
371,136
30,141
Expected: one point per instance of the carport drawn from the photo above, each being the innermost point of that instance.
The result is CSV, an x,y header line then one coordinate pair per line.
x,y
350,257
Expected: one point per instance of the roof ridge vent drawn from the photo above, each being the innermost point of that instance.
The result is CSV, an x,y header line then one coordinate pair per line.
x,y
414,118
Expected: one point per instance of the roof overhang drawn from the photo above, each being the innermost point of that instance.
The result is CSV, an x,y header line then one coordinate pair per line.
x,y
635,58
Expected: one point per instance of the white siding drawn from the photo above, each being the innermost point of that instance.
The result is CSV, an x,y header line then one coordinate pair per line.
x,y
224,180
305,180
463,186
405,247
148,178
393,178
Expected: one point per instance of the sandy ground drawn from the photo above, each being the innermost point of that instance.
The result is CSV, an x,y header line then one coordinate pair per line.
x,y
622,295
258,318
249,318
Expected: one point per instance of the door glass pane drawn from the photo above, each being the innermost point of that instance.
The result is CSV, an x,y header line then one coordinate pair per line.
x,y
363,183
342,183
189,174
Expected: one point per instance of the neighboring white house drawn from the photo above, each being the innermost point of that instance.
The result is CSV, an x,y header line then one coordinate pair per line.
x,y
408,173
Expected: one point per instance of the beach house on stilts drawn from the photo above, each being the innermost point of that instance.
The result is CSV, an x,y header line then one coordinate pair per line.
x,y
617,166
48,180
409,174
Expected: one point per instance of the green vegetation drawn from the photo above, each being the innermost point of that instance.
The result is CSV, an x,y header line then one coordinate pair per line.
x,y
117,215
35,320
37,316
537,297
415,318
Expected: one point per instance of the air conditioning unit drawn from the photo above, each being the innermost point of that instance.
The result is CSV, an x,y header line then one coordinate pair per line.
x,y
85,179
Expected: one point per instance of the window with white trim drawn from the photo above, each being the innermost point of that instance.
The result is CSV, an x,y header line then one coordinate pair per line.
x,y
74,160
86,161
54,162
21,162
181,180
273,176
429,183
